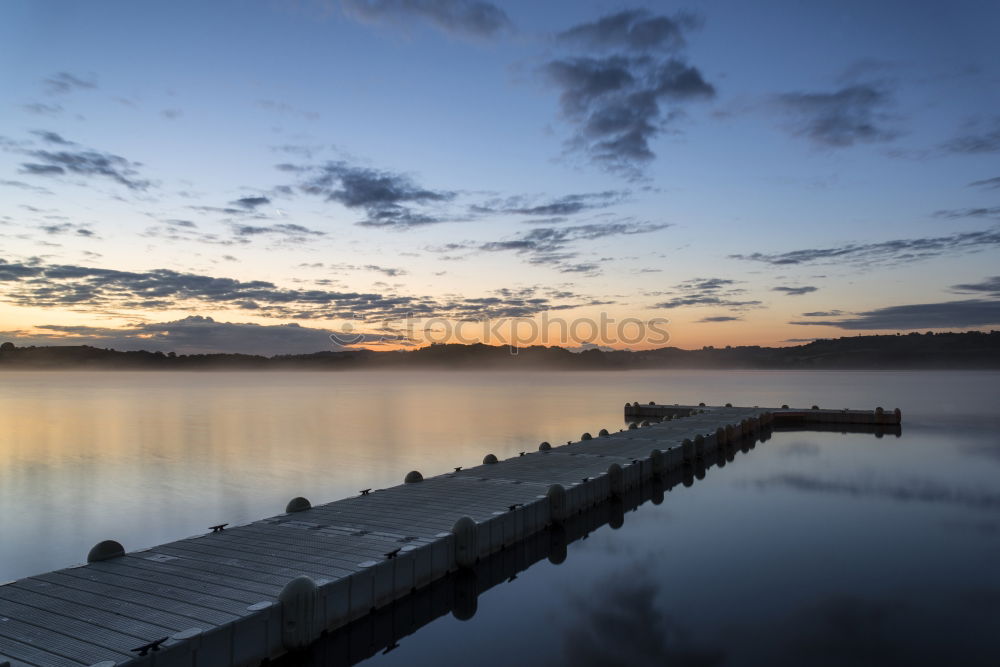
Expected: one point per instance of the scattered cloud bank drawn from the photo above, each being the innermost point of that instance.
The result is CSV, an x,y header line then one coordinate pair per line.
x,y
389,199
824,313
68,158
62,83
977,137
72,228
559,208
853,114
464,18
386,270
617,101
552,245
795,291
990,286
883,252
945,315
988,183
979,212
287,231
97,290
188,231
719,318
633,30
251,203
722,292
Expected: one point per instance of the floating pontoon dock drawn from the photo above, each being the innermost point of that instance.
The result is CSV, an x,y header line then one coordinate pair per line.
x,y
238,595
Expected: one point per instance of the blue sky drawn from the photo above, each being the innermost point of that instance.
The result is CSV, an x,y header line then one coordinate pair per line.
x,y
200,176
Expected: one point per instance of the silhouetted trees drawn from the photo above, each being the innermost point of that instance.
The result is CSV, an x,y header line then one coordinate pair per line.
x,y
970,350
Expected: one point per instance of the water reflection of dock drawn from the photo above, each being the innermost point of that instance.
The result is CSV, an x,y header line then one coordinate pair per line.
x,y
378,565
458,592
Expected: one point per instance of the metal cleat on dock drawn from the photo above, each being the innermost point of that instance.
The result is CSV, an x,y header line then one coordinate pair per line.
x,y
151,646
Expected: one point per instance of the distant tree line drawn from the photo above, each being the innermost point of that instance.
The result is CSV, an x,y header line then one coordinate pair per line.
x,y
969,350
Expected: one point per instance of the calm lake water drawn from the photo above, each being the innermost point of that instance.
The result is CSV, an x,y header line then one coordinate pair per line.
x,y
812,548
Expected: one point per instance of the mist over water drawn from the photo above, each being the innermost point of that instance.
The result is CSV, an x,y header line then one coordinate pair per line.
x,y
814,548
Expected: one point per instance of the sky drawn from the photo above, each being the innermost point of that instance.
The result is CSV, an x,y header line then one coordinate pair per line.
x,y
254,177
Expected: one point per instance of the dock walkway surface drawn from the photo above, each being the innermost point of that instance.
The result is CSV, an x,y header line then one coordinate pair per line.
x,y
239,595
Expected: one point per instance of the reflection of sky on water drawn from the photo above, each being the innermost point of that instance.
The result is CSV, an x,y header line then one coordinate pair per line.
x,y
813,549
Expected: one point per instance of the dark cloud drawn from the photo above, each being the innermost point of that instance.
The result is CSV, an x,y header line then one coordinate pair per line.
x,y
587,268
64,82
289,232
556,208
707,292
720,318
388,198
989,183
854,114
945,315
795,291
706,284
989,286
361,187
632,29
251,203
398,218
92,289
617,103
171,114
824,313
978,137
987,212
389,271
552,245
472,18
51,137
82,162
706,300
927,491
884,251
585,80
41,169
75,229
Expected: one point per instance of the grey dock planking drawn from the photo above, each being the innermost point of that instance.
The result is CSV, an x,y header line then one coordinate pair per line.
x,y
252,592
